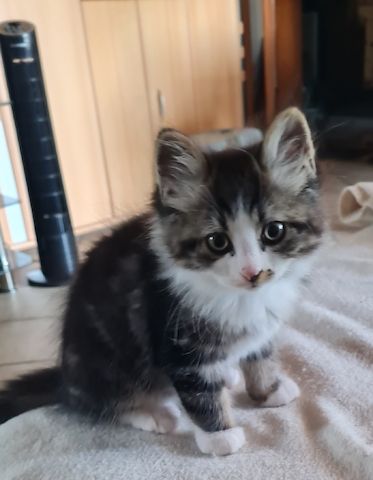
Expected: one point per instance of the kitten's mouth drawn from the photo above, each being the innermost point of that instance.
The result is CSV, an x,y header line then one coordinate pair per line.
x,y
262,277
258,279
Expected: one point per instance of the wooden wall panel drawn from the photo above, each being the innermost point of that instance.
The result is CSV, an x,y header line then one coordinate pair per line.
x,y
288,53
215,31
165,36
269,53
113,36
249,83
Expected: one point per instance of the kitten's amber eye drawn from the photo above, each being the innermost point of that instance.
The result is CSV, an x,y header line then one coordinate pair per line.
x,y
273,233
219,243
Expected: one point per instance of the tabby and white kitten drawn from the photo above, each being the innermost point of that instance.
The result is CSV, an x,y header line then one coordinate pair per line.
x,y
163,310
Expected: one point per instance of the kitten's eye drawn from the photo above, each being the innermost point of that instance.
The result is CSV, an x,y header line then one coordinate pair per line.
x,y
273,233
219,243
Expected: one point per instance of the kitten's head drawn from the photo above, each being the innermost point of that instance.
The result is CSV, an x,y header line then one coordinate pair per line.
x,y
237,217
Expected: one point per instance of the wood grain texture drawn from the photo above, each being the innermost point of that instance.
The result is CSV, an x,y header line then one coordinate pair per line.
x,y
214,30
113,37
269,52
248,62
288,53
165,36
64,59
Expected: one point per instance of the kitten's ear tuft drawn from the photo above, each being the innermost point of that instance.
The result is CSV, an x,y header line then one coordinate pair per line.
x,y
288,151
180,169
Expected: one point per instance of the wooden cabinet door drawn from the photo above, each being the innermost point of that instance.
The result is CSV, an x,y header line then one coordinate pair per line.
x,y
112,29
193,62
282,52
288,53
214,31
65,65
166,45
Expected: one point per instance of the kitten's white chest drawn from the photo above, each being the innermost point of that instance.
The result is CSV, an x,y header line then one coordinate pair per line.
x,y
258,314
253,316
258,311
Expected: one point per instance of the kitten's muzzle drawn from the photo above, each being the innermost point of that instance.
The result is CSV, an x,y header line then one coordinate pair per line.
x,y
256,279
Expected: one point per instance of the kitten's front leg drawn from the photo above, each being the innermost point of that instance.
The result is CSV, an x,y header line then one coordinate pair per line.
x,y
265,384
207,405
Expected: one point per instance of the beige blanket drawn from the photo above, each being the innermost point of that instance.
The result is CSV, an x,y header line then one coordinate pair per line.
x,y
326,434
356,204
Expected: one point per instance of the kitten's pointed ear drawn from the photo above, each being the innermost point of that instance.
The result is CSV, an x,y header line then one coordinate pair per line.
x,y
180,169
288,151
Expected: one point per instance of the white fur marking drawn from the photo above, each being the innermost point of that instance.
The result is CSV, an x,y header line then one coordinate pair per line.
x,y
163,418
140,420
225,442
232,378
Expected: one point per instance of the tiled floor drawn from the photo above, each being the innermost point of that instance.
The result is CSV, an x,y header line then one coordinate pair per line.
x,y
29,329
30,320
30,317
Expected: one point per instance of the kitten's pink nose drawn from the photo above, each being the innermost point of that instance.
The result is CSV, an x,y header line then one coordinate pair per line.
x,y
249,273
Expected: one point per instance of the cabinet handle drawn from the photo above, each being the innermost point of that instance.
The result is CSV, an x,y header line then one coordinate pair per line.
x,y
161,103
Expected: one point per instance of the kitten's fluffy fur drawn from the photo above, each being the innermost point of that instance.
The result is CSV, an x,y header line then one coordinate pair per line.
x,y
155,320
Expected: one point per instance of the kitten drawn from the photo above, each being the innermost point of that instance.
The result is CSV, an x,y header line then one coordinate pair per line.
x,y
163,310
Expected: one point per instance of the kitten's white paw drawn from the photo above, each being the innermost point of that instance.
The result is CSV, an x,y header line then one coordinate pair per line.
x,y
231,378
163,419
167,418
140,420
225,442
287,391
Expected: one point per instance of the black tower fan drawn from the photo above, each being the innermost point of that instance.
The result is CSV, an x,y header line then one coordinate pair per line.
x,y
56,244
